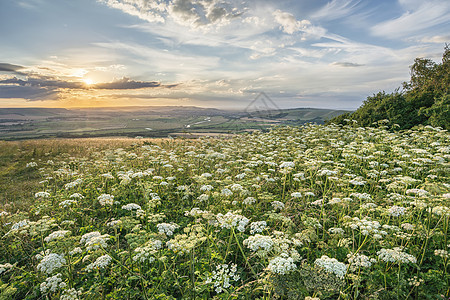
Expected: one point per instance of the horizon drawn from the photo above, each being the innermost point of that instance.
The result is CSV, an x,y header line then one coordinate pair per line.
x,y
212,54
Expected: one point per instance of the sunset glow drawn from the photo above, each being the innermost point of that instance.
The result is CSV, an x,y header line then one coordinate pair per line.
x,y
327,54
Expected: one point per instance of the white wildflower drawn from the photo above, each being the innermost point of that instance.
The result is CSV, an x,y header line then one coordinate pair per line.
x,y
282,264
131,206
51,262
52,284
100,263
106,199
56,235
332,265
166,228
220,278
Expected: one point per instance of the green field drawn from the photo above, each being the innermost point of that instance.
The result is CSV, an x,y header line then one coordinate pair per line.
x,y
309,212
18,124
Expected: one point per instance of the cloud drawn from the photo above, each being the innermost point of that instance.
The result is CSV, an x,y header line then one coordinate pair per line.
x,y
42,82
437,39
5,67
127,84
336,9
150,11
27,92
418,18
288,23
346,64
44,88
190,13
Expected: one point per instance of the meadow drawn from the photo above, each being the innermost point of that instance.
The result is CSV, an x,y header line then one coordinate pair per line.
x,y
310,212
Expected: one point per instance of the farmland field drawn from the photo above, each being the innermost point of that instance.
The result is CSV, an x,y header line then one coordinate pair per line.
x,y
310,212
38,123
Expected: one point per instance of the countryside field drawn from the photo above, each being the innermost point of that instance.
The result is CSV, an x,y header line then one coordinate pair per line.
x,y
39,123
309,212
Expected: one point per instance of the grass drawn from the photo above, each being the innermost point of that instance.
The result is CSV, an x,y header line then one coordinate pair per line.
x,y
329,212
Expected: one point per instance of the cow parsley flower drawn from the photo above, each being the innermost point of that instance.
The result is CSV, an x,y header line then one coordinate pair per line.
x,y
105,199
70,294
357,260
51,262
282,264
332,265
257,226
259,242
131,206
52,284
67,203
396,255
287,164
76,195
277,205
100,263
42,195
221,277
5,267
94,240
147,252
396,211
166,228
56,235
231,220
249,200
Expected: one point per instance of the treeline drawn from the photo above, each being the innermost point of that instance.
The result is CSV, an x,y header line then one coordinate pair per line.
x,y
423,100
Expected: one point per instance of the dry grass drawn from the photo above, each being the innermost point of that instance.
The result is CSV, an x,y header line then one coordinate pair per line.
x,y
18,183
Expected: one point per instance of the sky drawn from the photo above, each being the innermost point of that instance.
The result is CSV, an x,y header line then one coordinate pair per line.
x,y
212,53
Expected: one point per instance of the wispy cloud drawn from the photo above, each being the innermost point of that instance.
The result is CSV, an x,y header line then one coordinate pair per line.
x,y
336,9
419,16
438,39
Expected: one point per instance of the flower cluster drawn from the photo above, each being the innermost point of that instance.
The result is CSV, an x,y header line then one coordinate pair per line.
x,y
131,206
50,262
146,252
56,235
357,261
106,199
166,228
100,263
396,255
231,220
332,265
259,242
220,278
282,264
94,240
52,284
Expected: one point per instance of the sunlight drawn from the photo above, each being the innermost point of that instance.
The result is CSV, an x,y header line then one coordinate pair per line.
x,y
88,81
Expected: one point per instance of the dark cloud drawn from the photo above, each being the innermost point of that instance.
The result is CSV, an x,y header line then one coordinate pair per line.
x,y
121,84
28,92
346,64
38,88
127,84
43,82
5,67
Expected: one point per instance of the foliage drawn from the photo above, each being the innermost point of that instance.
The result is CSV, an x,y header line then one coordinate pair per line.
x,y
423,100
313,211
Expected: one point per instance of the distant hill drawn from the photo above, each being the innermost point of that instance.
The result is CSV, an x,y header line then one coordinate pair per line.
x,y
155,121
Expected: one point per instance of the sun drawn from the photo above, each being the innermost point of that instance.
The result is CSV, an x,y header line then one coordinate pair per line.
x,y
88,81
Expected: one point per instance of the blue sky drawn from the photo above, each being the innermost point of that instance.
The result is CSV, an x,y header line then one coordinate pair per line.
x,y
212,53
